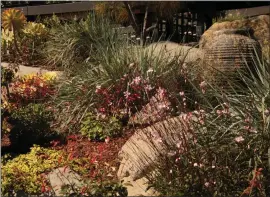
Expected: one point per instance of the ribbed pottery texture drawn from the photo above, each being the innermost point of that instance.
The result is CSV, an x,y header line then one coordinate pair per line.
x,y
230,50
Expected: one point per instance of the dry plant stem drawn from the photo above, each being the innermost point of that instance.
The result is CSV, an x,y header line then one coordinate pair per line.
x,y
15,41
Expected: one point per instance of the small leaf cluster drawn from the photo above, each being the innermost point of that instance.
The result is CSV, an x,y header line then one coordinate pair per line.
x,y
98,129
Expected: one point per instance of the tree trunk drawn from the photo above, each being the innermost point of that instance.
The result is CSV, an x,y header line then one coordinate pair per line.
x,y
132,18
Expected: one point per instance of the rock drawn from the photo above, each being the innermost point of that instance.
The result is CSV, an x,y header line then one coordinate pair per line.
x,y
260,25
138,187
24,70
170,49
144,148
63,176
156,110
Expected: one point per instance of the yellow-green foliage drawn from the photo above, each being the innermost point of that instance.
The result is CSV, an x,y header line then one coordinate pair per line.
x,y
35,29
6,36
25,171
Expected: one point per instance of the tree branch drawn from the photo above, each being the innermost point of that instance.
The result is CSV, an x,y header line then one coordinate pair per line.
x,y
132,18
144,24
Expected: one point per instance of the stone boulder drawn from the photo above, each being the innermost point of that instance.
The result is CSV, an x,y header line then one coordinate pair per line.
x,y
144,149
157,109
63,176
170,49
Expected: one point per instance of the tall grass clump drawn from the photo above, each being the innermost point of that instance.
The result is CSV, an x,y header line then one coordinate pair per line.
x,y
74,42
118,81
229,151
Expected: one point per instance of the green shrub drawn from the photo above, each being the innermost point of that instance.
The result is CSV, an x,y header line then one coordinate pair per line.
x,y
26,172
7,75
98,129
30,124
118,68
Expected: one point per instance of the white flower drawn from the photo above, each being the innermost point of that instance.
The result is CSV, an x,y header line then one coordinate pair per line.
x,y
182,93
131,65
179,144
170,170
162,106
213,167
150,70
98,87
239,139
207,184
195,164
107,140
159,140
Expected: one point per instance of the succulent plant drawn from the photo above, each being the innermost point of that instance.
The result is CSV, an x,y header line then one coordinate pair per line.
x,y
6,40
13,19
7,36
35,29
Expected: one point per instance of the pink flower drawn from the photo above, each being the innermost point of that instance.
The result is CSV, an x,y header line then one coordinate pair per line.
x,y
126,94
148,87
203,84
137,80
161,93
239,139
219,112
182,93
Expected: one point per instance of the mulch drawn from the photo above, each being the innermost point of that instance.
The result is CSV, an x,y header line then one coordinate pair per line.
x,y
106,153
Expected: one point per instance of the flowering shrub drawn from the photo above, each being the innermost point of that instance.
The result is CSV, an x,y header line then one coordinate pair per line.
x,y
228,154
33,87
27,172
125,96
100,127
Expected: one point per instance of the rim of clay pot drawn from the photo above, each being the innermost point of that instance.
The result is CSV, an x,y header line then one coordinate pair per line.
x,y
243,31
